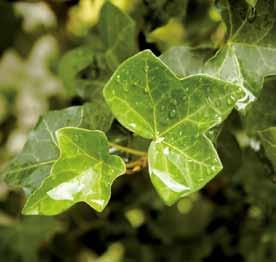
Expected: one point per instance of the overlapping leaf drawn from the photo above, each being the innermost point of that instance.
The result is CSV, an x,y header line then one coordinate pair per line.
x,y
268,138
249,54
84,70
84,172
261,120
118,34
33,164
148,99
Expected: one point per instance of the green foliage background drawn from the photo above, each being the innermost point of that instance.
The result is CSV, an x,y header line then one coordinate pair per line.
x,y
231,219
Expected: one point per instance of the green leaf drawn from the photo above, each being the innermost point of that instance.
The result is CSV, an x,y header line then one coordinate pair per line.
x,y
84,70
260,120
249,54
262,114
118,34
185,61
252,2
148,99
21,240
33,164
84,172
268,138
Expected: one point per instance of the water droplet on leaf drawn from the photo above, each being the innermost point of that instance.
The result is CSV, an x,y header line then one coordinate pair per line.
x,y
172,114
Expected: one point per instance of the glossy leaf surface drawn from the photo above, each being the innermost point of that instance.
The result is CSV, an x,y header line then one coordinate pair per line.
x,y
84,172
148,99
30,167
249,54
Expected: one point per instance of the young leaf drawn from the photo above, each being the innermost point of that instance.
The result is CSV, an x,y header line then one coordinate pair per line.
x,y
84,172
250,53
148,99
33,164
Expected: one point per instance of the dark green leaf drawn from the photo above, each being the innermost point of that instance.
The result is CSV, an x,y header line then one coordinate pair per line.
x,y
85,70
33,164
262,114
268,138
20,241
249,54
118,34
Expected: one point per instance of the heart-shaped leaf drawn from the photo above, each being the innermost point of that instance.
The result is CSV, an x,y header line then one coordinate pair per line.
x,y
148,99
84,172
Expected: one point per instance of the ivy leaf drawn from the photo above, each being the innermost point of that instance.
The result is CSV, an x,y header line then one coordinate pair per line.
x,y
148,99
33,164
262,114
250,52
84,172
85,70
185,60
268,138
261,120
117,30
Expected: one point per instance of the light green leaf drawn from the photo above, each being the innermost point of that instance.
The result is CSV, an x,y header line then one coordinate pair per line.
x,y
185,61
33,164
252,2
84,172
148,99
249,54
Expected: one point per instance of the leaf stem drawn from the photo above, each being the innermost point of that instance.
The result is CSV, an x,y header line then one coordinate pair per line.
x,y
128,150
140,162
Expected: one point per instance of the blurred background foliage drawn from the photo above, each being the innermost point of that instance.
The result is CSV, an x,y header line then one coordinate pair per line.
x,y
231,219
